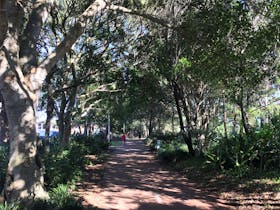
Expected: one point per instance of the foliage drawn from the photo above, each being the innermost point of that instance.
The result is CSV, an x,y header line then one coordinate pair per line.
x,y
166,137
172,152
65,165
60,199
239,155
151,143
13,206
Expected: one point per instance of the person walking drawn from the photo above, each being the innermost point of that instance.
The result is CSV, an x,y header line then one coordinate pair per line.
x,y
123,137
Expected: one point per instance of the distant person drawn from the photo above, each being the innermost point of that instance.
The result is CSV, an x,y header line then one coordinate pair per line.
x,y
123,137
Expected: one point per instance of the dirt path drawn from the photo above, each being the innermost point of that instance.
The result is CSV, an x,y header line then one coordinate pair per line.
x,y
133,179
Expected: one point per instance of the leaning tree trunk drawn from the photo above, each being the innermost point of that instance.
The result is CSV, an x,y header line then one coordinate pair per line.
x,y
186,134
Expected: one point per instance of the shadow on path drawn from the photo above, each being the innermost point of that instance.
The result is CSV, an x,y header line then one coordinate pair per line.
x,y
133,179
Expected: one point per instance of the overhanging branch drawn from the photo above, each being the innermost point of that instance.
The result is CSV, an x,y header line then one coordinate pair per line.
x,y
141,14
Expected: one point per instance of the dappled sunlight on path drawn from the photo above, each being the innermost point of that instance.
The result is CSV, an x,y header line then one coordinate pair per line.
x,y
133,179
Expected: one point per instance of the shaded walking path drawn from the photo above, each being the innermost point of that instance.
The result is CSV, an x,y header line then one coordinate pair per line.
x,y
133,179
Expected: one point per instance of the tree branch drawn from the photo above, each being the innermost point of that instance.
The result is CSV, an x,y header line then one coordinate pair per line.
x,y
74,33
20,77
150,17
77,30
38,16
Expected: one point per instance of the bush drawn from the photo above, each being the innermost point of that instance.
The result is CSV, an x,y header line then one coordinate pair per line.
x,y
5,206
151,143
65,165
63,199
60,199
239,155
173,152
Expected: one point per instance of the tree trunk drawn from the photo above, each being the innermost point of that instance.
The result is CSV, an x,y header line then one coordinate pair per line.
x,y
61,117
67,130
50,110
234,122
150,123
25,170
186,134
175,94
173,119
20,79
244,119
225,117
201,141
68,116
3,122
86,129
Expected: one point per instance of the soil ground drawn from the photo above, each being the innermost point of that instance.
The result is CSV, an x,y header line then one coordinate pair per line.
x,y
133,179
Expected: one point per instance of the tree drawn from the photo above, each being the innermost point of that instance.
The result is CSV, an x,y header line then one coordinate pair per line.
x,y
21,77
241,52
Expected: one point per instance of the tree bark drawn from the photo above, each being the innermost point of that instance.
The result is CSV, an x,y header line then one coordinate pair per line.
x,y
50,110
225,118
68,116
20,81
61,118
234,122
175,94
244,119
150,123
186,134
24,179
3,122
25,170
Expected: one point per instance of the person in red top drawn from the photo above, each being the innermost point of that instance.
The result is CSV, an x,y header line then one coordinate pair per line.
x,y
123,137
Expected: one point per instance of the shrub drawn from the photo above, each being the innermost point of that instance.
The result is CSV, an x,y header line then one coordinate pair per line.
x,y
60,199
13,206
151,143
173,152
65,165
239,155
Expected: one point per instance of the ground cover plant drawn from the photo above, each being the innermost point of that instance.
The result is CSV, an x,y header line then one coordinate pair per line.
x,y
240,169
63,169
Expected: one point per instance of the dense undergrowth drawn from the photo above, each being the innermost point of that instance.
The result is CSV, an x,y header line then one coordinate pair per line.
x,y
63,169
237,157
